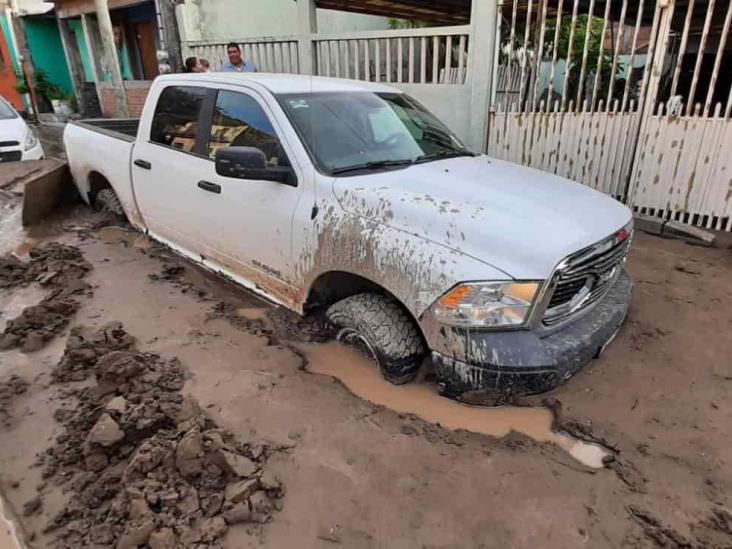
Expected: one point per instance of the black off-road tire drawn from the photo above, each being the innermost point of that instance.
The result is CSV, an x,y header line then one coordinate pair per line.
x,y
107,200
378,327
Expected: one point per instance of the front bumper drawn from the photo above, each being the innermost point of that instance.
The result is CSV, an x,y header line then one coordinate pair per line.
x,y
524,362
35,153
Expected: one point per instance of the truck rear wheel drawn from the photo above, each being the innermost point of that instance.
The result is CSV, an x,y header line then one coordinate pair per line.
x,y
380,329
108,201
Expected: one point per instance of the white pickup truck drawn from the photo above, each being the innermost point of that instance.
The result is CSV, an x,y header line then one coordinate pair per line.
x,y
351,198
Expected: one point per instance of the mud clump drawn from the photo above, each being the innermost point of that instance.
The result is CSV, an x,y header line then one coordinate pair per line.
x,y
57,266
9,389
146,466
85,346
713,532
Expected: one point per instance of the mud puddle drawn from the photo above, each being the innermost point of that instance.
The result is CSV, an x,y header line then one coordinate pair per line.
x,y
421,399
120,235
8,536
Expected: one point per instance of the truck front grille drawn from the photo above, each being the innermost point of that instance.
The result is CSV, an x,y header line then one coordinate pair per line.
x,y
585,277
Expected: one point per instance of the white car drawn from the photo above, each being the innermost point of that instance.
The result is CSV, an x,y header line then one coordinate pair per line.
x,y
17,140
352,199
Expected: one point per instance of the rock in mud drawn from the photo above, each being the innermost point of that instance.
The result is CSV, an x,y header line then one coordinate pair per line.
x,y
145,466
9,389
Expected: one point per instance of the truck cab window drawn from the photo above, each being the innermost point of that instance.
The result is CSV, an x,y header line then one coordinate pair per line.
x,y
175,123
239,121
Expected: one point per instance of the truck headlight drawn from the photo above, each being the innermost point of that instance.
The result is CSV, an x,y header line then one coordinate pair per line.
x,y
30,140
487,304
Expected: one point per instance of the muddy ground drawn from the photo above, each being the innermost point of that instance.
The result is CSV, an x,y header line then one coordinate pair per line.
x,y
359,474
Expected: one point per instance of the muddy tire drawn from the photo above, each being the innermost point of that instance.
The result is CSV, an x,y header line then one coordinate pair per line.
x,y
107,201
380,329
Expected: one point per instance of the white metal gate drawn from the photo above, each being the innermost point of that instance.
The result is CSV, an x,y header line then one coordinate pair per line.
x,y
605,91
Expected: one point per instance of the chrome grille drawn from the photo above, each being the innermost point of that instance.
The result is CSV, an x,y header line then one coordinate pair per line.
x,y
585,277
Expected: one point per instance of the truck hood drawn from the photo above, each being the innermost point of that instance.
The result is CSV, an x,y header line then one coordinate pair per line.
x,y
518,220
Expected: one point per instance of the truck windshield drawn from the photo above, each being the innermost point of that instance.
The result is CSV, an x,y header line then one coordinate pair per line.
x,y
351,132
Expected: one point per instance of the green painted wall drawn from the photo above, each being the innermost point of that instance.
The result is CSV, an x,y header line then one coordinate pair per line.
x,y
44,42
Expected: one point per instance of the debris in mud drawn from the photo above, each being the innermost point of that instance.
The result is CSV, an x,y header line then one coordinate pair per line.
x,y
38,324
145,465
9,389
53,265
713,532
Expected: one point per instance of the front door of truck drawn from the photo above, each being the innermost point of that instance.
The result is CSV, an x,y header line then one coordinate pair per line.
x,y
254,221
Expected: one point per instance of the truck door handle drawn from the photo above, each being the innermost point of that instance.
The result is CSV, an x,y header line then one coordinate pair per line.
x,y
144,164
210,187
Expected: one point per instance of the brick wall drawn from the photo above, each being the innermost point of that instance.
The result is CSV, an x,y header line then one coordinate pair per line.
x,y
136,93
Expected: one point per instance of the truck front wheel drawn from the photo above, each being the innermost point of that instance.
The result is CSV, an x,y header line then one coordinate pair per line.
x,y
379,328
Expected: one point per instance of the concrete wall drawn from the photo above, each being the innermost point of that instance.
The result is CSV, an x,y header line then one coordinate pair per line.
x,y
223,19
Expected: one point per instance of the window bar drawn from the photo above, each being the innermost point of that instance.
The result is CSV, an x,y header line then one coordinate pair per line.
x,y
718,60
552,74
585,54
598,70
700,54
631,61
568,65
618,45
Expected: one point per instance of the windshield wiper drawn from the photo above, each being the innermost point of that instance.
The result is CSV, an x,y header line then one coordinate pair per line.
x,y
376,165
443,154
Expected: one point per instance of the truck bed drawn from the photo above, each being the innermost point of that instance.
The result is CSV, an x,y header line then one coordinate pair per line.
x,y
121,128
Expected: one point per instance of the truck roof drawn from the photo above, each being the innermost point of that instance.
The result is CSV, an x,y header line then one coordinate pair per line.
x,y
286,83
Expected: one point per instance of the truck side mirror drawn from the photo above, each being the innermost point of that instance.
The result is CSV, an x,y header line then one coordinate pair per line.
x,y
251,163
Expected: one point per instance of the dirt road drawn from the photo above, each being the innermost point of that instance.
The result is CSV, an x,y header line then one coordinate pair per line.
x,y
362,473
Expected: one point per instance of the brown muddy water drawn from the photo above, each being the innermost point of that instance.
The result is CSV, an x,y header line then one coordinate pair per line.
x,y
360,376
8,537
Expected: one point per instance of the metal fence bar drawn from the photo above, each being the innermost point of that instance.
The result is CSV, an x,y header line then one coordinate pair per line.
x,y
568,65
400,60
618,44
555,48
411,60
377,59
598,70
631,61
423,61
367,60
682,47
435,59
511,41
700,54
388,60
448,61
540,55
461,60
585,53
356,61
524,59
718,60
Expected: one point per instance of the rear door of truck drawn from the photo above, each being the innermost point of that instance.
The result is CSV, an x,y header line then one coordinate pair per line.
x,y
169,166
